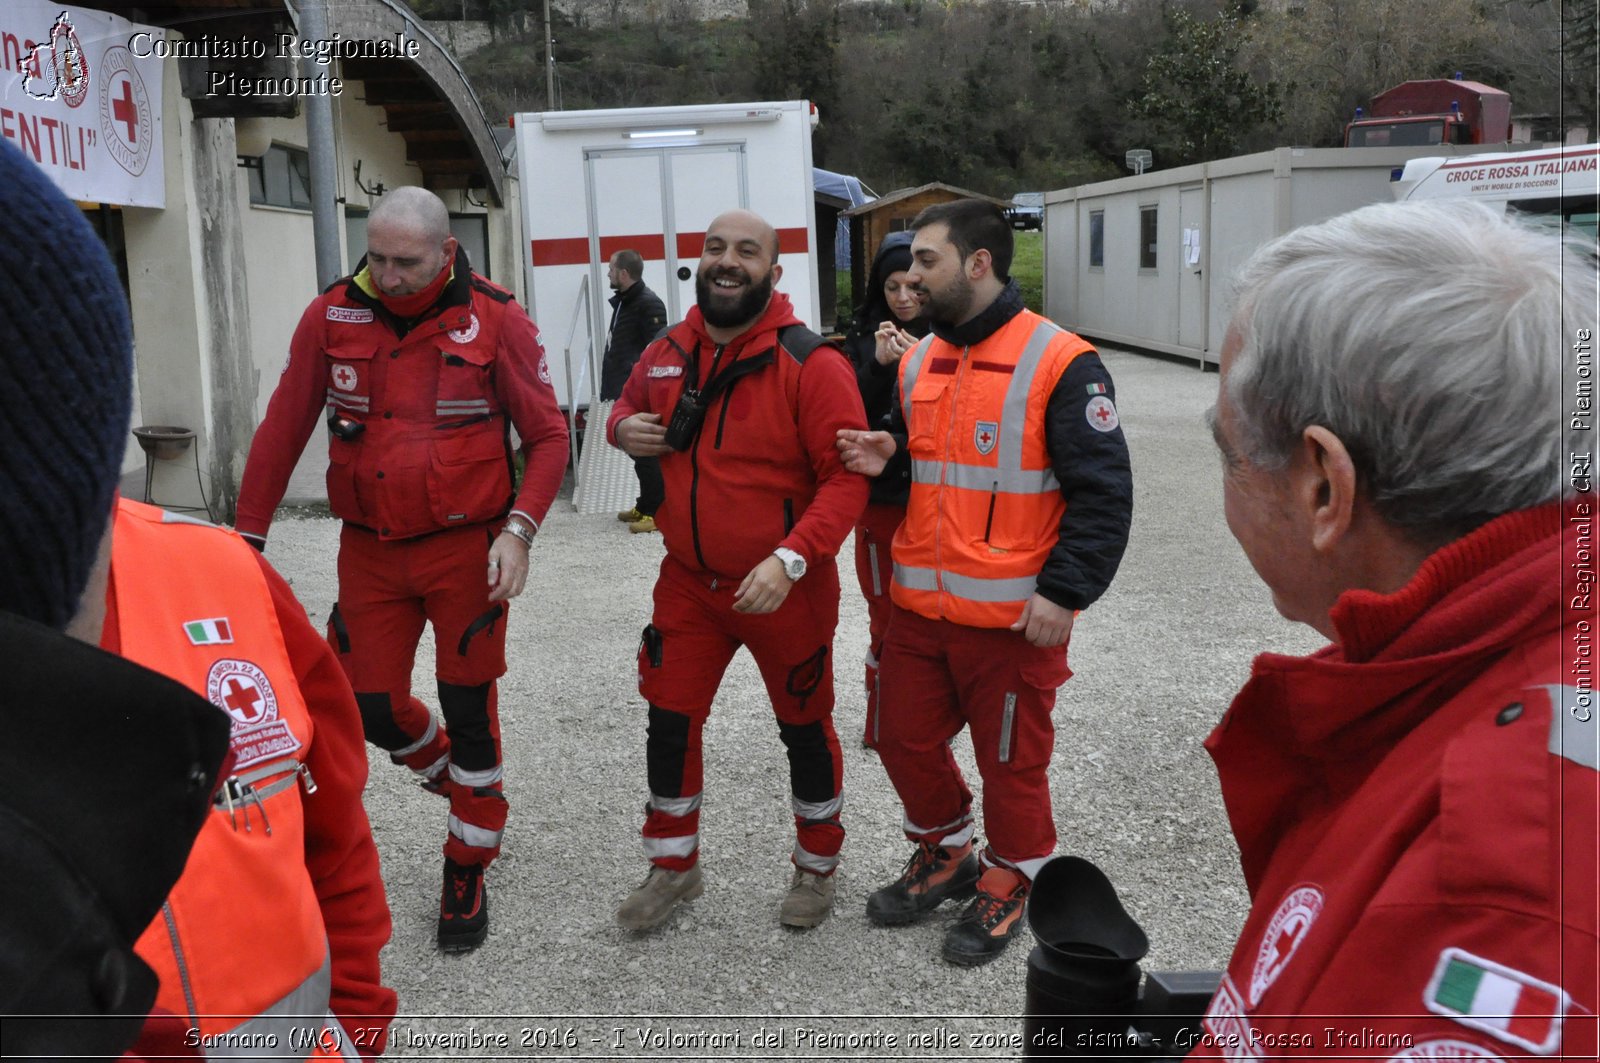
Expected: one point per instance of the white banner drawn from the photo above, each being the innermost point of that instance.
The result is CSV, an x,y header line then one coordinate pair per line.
x,y
82,100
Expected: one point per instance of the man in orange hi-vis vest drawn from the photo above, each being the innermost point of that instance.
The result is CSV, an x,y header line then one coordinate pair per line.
x,y
1021,500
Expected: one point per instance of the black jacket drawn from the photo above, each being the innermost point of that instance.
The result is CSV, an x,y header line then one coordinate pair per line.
x,y
637,316
109,772
878,383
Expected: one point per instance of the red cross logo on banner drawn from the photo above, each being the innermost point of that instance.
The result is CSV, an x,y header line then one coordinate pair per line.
x,y
125,110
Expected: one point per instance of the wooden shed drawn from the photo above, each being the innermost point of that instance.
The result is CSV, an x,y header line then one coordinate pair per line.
x,y
872,221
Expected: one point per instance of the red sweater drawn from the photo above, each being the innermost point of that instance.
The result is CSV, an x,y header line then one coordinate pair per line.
x,y
764,471
1415,809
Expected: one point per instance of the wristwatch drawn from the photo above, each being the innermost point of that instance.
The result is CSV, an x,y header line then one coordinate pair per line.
x,y
794,566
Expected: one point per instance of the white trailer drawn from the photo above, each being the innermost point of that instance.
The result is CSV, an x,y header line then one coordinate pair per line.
x,y
651,179
1557,183
1146,261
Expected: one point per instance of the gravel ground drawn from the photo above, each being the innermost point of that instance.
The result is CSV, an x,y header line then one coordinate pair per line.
x,y
1156,661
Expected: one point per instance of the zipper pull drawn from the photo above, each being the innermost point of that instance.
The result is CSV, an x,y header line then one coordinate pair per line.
x,y
227,798
255,795
306,780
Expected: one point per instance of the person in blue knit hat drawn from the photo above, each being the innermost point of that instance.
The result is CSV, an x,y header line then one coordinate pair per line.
x,y
108,766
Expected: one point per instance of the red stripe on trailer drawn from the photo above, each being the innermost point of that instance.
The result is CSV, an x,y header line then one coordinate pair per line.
x,y
790,242
574,251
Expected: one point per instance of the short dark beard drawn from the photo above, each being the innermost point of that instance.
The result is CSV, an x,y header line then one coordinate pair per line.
x,y
952,305
744,310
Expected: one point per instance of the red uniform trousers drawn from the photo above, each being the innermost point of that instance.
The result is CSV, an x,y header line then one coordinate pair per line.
x,y
688,645
387,590
938,676
874,569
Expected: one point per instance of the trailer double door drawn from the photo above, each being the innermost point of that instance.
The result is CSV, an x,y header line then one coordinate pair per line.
x,y
658,201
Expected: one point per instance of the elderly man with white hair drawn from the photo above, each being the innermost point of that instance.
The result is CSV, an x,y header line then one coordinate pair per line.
x,y
1406,448
422,368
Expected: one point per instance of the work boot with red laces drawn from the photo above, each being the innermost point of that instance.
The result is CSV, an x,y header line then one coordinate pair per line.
x,y
463,907
990,921
933,875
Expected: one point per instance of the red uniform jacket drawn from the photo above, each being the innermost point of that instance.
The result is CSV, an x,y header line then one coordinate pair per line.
x,y
434,401
764,471
1415,809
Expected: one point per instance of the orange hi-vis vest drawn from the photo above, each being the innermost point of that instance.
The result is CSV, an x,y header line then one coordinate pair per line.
x,y
239,945
985,506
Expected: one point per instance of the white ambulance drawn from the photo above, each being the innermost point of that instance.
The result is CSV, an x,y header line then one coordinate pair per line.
x,y
1562,183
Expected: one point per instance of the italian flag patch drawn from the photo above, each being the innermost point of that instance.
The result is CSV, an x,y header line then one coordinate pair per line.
x,y
1510,1005
212,632
1095,389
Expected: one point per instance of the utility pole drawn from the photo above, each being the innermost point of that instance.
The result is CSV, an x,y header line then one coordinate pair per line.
x,y
549,61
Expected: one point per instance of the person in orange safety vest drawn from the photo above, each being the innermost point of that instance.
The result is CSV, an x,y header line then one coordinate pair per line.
x,y
272,933
1021,500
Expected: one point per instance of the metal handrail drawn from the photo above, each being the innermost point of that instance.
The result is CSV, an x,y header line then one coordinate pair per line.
x,y
580,311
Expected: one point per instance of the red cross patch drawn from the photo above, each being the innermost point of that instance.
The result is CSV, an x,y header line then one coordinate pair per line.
x,y
984,435
1102,414
243,691
1288,928
344,377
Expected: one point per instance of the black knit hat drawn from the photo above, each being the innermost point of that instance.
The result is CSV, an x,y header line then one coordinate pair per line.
x,y
66,370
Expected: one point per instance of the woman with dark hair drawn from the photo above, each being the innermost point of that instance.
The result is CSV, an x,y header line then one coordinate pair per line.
x,y
888,325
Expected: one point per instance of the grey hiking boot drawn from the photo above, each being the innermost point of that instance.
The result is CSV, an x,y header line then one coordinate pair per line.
x,y
809,900
648,906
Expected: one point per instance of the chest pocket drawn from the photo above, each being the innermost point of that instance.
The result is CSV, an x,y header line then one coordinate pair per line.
x,y
465,390
930,409
350,377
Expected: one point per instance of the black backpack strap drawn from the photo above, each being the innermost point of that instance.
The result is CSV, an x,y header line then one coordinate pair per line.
x,y
799,342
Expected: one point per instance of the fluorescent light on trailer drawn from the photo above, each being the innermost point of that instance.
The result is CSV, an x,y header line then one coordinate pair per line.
x,y
652,134
629,117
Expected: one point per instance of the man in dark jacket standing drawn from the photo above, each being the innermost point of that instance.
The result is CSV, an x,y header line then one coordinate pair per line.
x,y
637,314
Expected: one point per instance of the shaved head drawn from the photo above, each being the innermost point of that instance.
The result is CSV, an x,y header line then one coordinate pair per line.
x,y
415,209
747,221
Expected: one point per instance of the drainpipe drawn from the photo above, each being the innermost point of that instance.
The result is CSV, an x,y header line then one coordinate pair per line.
x,y
311,22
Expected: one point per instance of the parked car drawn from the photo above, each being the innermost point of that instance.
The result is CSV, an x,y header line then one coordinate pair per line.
x,y
1027,210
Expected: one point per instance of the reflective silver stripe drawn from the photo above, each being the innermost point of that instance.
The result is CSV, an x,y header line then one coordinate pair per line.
x,y
487,777
1013,417
436,769
809,861
684,845
169,517
352,402
916,579
972,588
1008,720
461,402
872,562
283,1025
675,806
912,363
964,822
455,409
1574,732
987,477
474,836
427,736
828,809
